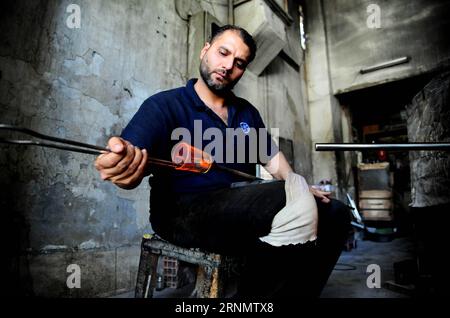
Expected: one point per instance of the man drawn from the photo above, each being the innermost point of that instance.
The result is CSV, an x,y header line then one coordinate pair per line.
x,y
202,210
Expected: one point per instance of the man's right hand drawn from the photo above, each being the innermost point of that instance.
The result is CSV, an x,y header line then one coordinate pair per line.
x,y
124,166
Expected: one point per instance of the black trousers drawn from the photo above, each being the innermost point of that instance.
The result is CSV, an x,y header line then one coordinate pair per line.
x,y
230,221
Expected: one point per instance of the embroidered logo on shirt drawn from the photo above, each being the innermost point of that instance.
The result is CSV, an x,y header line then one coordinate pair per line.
x,y
245,127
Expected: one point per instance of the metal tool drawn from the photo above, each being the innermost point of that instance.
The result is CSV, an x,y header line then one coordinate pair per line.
x,y
197,166
412,146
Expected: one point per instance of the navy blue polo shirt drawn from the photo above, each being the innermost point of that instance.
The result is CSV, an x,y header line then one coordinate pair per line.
x,y
152,126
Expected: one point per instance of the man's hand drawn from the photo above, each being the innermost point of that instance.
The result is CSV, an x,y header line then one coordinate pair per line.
x,y
322,195
124,166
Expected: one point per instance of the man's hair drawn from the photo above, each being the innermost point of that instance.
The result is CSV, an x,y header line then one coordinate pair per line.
x,y
244,35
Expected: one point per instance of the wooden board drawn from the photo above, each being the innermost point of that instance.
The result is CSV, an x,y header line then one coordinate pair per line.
x,y
377,215
384,204
375,194
373,166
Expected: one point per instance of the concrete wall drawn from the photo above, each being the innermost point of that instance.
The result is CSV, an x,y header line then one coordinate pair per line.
x,y
417,29
82,84
280,94
322,104
85,84
340,43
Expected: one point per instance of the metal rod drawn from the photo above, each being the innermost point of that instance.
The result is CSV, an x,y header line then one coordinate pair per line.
x,y
159,162
162,163
46,137
442,146
401,60
50,145
75,146
236,172
79,150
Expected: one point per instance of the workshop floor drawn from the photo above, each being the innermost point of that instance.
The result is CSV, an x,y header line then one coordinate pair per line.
x,y
349,279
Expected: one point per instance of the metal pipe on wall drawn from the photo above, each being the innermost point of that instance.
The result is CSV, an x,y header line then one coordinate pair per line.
x,y
401,60
443,146
230,11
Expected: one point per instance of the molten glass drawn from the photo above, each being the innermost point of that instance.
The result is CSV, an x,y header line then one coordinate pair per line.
x,y
189,158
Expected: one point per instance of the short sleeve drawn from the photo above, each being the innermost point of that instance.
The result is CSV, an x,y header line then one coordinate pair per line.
x,y
147,127
267,147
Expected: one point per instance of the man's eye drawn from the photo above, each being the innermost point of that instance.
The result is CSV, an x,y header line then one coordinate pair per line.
x,y
222,53
240,65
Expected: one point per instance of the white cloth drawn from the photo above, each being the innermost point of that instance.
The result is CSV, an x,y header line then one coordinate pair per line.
x,y
296,223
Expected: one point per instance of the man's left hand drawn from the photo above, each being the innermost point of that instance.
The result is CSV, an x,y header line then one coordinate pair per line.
x,y
322,195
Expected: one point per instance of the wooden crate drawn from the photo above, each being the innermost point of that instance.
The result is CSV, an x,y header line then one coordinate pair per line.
x,y
375,192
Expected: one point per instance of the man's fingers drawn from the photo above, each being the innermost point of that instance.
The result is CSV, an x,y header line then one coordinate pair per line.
x,y
143,164
127,160
117,144
121,165
322,195
125,165
132,167
325,200
131,180
108,160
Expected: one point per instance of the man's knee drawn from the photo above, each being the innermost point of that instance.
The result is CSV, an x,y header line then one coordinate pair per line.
x,y
334,214
340,211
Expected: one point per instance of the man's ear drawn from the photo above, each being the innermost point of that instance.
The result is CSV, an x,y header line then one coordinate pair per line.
x,y
204,50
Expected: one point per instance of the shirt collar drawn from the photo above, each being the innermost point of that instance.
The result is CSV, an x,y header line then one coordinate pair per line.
x,y
192,94
197,102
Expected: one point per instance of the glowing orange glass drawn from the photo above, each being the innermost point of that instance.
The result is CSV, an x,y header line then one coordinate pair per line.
x,y
189,158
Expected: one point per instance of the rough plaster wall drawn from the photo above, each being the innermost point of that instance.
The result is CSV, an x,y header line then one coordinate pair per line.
x,y
429,121
82,84
85,84
417,29
322,104
340,43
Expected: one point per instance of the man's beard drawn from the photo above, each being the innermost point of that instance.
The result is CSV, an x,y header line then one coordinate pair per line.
x,y
219,88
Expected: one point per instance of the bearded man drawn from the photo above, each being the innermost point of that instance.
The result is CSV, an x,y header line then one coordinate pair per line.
x,y
290,234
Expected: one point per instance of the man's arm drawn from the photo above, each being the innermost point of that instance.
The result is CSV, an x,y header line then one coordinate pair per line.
x,y
125,165
279,168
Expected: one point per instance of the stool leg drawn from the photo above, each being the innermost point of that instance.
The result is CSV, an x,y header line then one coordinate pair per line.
x,y
151,281
143,272
202,282
219,278
146,277
216,287
208,283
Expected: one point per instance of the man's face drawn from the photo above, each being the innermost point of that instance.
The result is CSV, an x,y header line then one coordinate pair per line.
x,y
223,62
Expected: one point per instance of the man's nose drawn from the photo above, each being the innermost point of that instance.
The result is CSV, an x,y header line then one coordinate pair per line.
x,y
228,64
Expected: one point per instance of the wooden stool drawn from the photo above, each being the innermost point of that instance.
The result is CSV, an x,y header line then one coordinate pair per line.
x,y
211,272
